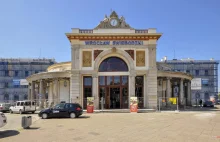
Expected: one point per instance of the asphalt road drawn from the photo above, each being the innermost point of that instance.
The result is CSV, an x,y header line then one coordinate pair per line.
x,y
14,121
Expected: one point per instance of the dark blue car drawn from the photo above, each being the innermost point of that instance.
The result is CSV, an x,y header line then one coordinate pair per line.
x,y
71,110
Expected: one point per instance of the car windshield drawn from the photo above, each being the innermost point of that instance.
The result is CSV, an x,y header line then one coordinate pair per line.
x,y
59,106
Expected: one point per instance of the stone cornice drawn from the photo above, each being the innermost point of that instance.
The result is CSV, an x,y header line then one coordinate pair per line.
x,y
110,36
48,75
172,74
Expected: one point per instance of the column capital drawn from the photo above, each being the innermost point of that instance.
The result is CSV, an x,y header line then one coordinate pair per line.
x,y
169,78
94,75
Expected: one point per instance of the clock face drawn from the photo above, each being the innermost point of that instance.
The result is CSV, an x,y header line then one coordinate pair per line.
x,y
114,22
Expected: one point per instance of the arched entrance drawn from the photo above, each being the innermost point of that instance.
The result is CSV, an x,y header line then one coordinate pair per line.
x,y
113,83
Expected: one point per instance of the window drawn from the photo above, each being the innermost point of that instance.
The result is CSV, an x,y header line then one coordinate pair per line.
x,y
206,72
22,103
187,71
59,106
6,73
197,72
27,103
16,73
87,88
205,82
26,73
112,64
68,106
6,84
18,104
139,83
101,80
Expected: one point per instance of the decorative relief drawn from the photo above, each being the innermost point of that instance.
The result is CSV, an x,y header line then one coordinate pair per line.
x,y
87,58
131,53
113,49
96,53
140,58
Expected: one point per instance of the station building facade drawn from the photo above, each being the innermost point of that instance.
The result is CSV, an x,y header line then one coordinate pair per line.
x,y
112,62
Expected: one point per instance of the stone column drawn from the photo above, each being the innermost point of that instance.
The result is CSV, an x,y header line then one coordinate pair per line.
x,y
50,94
29,91
131,86
42,94
95,90
56,91
189,93
182,99
168,91
32,90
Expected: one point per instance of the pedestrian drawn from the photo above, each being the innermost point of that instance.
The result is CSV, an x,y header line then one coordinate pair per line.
x,y
200,102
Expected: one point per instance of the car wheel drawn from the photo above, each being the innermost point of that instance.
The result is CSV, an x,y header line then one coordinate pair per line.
x,y
72,115
11,111
44,116
20,112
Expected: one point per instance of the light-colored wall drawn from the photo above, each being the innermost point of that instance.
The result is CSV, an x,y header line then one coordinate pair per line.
x,y
149,71
64,91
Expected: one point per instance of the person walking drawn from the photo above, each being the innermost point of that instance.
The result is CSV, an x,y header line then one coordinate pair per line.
x,y
200,102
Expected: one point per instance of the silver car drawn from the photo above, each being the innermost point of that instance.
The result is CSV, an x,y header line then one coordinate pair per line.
x,y
4,107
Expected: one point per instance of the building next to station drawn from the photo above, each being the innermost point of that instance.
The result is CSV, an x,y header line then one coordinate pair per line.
x,y
13,73
112,62
205,76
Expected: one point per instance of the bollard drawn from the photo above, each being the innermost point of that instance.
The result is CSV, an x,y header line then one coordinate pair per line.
x,y
26,121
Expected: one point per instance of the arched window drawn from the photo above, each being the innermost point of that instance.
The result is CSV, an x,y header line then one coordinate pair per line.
x,y
113,64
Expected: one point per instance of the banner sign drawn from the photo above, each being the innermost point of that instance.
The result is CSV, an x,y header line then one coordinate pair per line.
x,y
16,81
90,104
123,42
20,82
173,100
133,104
23,82
196,83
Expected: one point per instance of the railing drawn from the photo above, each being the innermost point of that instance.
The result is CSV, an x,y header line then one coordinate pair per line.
x,y
85,31
141,31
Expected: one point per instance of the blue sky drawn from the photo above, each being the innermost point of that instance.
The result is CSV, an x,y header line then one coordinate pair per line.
x,y
37,28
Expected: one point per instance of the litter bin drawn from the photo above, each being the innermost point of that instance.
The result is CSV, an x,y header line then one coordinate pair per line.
x,y
26,121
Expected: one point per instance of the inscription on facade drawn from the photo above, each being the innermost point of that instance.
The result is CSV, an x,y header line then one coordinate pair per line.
x,y
123,42
140,58
87,58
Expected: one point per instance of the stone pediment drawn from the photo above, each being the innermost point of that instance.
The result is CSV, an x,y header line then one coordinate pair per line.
x,y
113,22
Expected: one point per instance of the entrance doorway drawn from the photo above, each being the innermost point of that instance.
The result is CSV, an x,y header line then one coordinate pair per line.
x,y
115,98
113,90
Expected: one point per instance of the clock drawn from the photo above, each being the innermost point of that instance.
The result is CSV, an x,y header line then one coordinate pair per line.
x,y
114,22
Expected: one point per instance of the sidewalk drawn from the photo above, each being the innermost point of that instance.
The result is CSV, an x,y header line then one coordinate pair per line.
x,y
125,127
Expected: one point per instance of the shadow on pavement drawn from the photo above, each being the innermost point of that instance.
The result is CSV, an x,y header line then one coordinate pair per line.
x,y
203,109
8,133
32,128
81,117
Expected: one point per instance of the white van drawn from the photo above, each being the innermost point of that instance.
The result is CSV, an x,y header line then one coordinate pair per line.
x,y
3,120
23,106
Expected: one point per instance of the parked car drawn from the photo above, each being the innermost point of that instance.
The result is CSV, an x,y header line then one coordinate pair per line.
x,y
208,104
71,110
3,120
4,107
23,107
